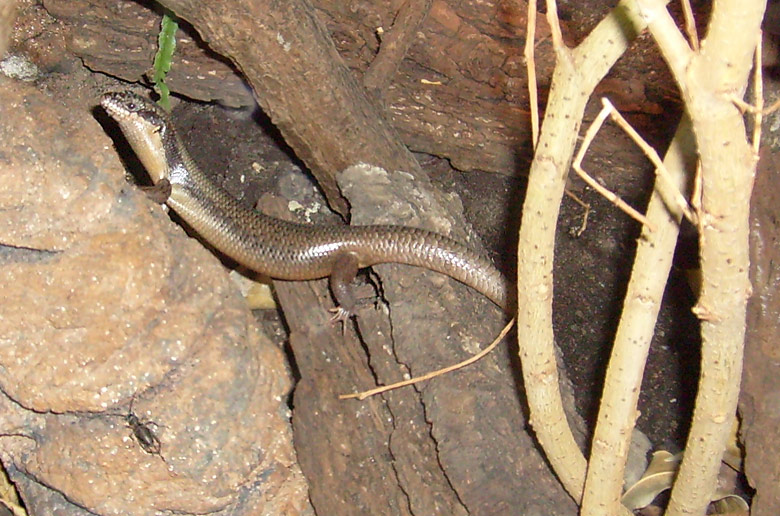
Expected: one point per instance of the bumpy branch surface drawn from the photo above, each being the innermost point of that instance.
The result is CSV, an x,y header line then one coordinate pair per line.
x,y
617,414
576,74
707,79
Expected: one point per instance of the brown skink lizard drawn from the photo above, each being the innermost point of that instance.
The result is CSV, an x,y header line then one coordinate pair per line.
x,y
281,249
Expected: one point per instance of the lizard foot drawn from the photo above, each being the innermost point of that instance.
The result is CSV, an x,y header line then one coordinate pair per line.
x,y
340,315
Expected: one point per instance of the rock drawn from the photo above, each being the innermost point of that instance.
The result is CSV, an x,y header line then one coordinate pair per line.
x,y
120,39
107,306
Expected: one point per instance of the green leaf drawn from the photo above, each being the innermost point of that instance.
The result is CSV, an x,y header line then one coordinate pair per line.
x,y
166,45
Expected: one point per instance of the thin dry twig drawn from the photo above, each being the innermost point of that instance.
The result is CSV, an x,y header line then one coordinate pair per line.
x,y
590,134
774,107
690,25
758,95
757,108
663,173
661,170
586,213
555,25
748,108
696,193
365,394
530,65
741,104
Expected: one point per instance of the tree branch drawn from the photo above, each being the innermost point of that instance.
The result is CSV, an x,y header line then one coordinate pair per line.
x,y
573,81
719,69
618,412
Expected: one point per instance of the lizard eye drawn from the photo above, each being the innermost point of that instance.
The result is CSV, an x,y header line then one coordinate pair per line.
x,y
131,106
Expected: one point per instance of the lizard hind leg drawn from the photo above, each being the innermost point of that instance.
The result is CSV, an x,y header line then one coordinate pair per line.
x,y
345,268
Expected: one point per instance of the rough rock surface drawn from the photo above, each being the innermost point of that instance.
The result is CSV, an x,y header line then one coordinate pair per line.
x,y
120,38
110,309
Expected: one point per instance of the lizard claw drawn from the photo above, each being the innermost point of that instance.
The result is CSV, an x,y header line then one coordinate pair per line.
x,y
340,315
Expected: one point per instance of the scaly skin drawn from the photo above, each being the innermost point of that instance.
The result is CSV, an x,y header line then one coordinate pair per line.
x,y
281,249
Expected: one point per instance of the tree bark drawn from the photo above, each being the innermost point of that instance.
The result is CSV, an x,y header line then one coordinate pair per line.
x,y
302,84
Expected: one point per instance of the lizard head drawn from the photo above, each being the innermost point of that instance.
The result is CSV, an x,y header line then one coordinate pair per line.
x,y
146,127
